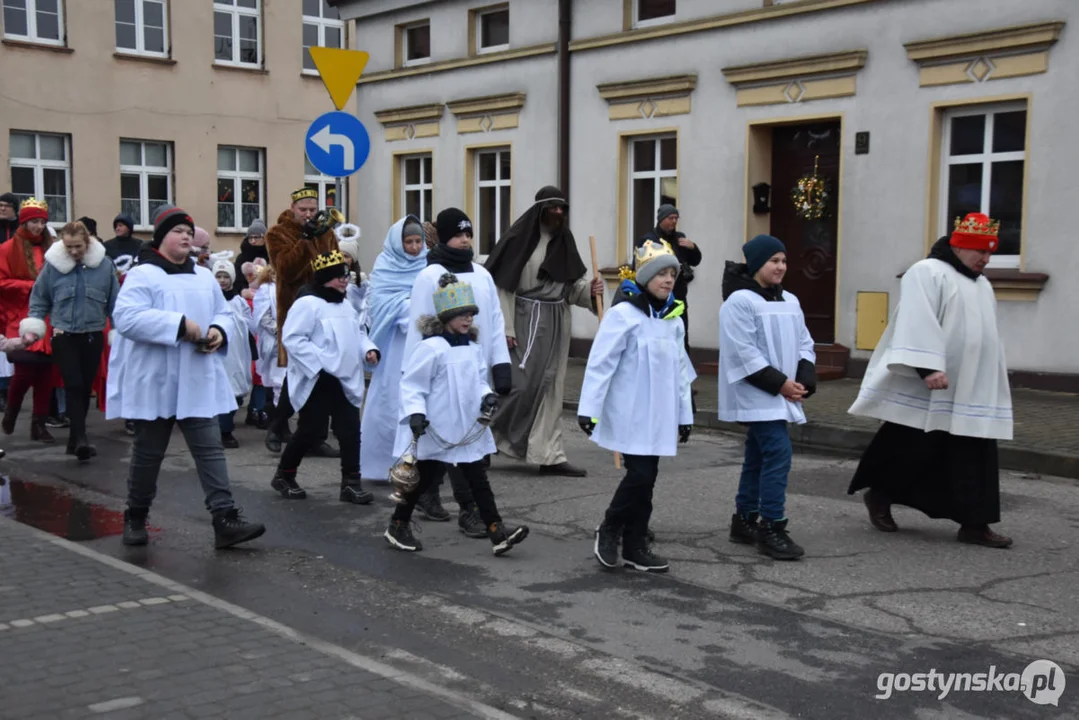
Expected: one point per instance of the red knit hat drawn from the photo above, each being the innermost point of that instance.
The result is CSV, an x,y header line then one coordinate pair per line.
x,y
33,209
976,232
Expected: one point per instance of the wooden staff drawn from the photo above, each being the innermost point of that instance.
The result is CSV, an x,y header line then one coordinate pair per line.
x,y
599,312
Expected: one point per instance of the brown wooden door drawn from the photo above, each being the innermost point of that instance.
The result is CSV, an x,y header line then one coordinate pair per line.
x,y
811,244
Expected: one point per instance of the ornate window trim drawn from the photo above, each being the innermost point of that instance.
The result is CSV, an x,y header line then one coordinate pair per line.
x,y
796,80
649,98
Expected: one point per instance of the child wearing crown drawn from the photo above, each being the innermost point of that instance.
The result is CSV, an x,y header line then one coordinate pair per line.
x,y
327,348
446,405
939,381
638,370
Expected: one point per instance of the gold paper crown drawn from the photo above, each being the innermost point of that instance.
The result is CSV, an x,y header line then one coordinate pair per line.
x,y
977,224
651,250
327,260
454,296
304,194
34,203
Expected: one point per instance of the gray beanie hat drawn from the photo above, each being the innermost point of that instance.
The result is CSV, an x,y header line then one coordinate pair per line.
x,y
665,210
412,228
257,227
660,258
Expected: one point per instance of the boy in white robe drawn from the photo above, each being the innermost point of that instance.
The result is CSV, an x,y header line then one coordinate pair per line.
x,y
327,349
238,359
766,370
453,254
939,381
446,405
636,400
166,369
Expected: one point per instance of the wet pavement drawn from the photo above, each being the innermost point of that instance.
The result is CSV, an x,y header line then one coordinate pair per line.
x,y
544,633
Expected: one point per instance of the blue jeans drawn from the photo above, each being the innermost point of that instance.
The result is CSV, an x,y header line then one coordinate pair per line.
x,y
763,487
258,398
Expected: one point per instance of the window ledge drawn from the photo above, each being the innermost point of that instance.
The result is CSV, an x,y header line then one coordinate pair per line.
x,y
30,44
242,68
152,59
1009,284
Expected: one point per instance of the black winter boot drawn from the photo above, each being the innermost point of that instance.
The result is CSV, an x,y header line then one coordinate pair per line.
x,y
773,540
638,556
135,526
284,482
503,539
230,529
352,491
744,528
430,506
39,432
470,523
606,546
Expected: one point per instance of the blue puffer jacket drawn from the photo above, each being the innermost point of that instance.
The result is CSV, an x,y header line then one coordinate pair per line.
x,y
77,297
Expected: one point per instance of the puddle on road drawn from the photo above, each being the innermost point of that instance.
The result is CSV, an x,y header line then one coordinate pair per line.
x,y
49,508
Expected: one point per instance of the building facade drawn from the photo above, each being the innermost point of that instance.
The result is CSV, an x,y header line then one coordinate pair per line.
x,y
908,113
113,105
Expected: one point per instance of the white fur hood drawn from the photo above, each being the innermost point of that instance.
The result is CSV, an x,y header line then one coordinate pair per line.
x,y
58,256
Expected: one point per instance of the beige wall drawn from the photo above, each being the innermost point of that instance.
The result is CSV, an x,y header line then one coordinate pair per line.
x,y
97,99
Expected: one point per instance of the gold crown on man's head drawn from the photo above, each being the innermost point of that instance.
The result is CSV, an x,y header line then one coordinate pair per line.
x,y
34,203
977,224
328,260
652,249
304,193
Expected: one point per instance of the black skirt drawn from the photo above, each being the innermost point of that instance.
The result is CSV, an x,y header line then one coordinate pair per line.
x,y
943,475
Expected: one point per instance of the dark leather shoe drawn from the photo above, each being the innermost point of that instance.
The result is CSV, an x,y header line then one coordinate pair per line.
x,y
563,470
880,511
983,536
273,442
325,450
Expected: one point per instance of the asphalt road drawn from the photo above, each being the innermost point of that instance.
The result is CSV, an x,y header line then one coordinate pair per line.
x,y
545,633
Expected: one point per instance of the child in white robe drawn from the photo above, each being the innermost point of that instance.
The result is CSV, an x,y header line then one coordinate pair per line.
x,y
238,359
327,350
444,395
636,400
264,326
766,370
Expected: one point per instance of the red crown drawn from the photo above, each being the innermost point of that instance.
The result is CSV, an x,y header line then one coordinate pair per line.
x,y
976,232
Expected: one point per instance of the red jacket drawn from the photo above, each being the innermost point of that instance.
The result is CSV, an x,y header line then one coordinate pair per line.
x,y
15,295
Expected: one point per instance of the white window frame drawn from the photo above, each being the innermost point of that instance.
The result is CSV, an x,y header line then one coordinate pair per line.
x,y
405,62
986,159
498,183
654,21
425,183
237,12
39,166
144,171
480,48
31,24
655,174
140,31
323,23
237,177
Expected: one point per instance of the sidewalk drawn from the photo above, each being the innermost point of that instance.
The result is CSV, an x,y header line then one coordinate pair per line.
x,y
87,636
1046,424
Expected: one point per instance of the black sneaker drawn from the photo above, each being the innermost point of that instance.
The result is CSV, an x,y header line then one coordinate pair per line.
x,y
228,440
355,494
399,535
57,421
135,526
470,523
641,557
744,528
773,540
430,506
231,529
503,539
606,546
285,483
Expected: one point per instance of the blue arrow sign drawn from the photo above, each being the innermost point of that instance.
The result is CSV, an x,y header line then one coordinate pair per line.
x,y
337,144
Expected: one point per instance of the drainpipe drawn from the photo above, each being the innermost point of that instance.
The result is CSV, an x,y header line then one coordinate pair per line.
x,y
565,17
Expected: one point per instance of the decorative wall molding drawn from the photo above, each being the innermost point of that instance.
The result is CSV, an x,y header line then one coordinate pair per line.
x,y
649,98
796,80
988,55
484,114
443,66
406,123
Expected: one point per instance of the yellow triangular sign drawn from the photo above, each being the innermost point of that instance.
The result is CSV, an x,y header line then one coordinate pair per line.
x,y
339,70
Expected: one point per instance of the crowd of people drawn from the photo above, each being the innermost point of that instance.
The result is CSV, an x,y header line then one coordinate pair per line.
x,y
460,360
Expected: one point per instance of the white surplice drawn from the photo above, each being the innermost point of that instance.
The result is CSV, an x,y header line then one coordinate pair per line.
x,y
637,383
323,336
489,322
378,429
264,326
753,334
153,374
238,354
944,322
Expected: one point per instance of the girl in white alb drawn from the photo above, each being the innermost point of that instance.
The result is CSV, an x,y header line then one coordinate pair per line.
x,y
238,357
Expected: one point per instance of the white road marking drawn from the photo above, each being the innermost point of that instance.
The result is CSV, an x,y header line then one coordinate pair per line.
x,y
117,704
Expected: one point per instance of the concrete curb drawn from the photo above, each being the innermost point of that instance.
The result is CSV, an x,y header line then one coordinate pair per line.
x,y
851,442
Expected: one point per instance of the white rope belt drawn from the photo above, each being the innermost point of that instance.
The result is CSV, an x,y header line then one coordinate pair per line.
x,y
533,324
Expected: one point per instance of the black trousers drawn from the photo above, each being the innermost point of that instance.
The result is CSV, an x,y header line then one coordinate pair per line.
x,y
327,401
474,474
284,411
462,491
78,356
631,507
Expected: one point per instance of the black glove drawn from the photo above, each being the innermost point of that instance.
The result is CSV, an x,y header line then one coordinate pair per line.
x,y
502,377
586,424
683,433
489,403
418,423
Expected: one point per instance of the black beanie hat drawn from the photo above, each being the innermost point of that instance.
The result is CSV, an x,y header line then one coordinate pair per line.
x,y
90,224
760,250
168,217
329,266
450,222
11,199
127,220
